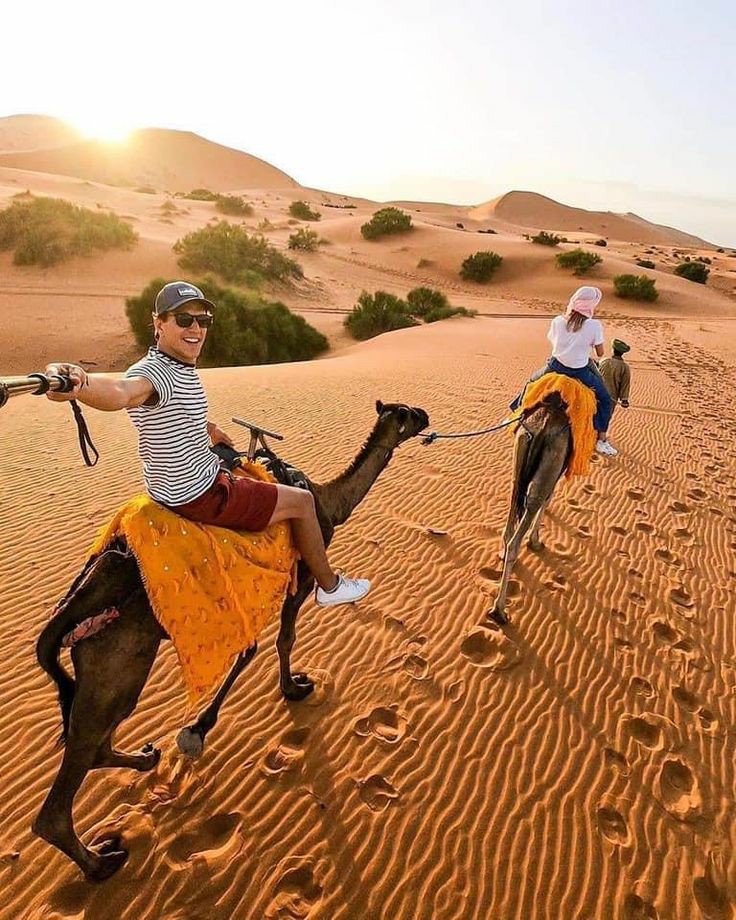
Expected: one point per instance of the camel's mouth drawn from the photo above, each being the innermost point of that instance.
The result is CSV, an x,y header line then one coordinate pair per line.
x,y
422,419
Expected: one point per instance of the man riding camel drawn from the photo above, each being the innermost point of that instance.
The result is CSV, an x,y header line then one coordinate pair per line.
x,y
166,402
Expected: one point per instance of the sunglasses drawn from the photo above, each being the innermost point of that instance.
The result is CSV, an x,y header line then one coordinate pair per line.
x,y
185,320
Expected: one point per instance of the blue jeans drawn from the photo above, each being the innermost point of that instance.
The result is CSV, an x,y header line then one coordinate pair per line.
x,y
587,375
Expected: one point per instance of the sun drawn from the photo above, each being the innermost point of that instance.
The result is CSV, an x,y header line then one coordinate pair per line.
x,y
103,126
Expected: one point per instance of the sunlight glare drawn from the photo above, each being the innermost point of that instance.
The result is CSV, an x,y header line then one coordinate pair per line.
x,y
104,127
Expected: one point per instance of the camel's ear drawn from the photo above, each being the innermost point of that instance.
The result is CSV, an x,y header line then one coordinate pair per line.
x,y
379,406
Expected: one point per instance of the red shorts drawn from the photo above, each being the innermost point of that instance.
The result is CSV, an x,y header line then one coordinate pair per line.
x,y
239,503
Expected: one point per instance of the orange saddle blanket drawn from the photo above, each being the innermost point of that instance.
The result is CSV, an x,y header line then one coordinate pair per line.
x,y
580,411
213,590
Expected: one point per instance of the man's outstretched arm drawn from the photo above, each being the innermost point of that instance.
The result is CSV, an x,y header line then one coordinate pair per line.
x,y
100,391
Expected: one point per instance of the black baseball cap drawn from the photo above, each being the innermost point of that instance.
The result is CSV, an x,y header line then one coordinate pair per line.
x,y
176,294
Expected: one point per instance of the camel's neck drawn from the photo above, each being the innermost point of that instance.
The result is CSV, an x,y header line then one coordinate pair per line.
x,y
340,497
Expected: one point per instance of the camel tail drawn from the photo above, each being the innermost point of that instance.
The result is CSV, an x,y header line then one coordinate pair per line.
x,y
48,648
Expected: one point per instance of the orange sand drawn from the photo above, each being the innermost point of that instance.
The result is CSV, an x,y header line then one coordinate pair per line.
x,y
579,764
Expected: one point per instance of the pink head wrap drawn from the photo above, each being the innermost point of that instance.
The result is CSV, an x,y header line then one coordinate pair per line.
x,y
584,301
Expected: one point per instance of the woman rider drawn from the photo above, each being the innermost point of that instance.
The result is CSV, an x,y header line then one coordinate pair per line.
x,y
572,336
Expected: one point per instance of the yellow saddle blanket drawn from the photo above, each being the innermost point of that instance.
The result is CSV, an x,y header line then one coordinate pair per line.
x,y
580,411
212,589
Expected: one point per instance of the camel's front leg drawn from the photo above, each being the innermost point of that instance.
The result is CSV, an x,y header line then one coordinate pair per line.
x,y
190,740
294,687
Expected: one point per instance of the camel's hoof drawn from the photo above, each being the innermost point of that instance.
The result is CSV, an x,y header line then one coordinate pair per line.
x,y
300,688
150,758
109,857
536,546
498,616
190,741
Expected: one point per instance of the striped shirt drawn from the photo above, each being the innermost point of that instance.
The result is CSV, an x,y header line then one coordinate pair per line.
x,y
173,443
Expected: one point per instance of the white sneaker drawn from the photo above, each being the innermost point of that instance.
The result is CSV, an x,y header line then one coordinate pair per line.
x,y
348,591
606,448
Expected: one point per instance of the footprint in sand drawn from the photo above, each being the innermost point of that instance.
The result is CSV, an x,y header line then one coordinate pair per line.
x,y
645,731
645,527
679,507
584,531
297,888
681,597
377,792
618,529
612,825
416,666
678,790
288,756
637,598
682,533
697,495
616,760
708,719
665,555
665,633
618,615
685,699
218,835
384,723
636,495
636,908
623,646
710,897
490,648
642,687
490,573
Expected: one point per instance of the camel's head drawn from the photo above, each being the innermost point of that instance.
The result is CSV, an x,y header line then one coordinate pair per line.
x,y
397,422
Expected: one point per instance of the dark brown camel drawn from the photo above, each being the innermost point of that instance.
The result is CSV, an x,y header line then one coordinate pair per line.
x,y
541,453
111,670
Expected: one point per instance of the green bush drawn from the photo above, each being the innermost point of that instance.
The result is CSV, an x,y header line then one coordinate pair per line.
x,y
432,305
201,194
234,254
645,263
302,211
546,239
233,206
385,222
45,231
635,287
377,313
578,260
481,266
305,239
693,271
247,328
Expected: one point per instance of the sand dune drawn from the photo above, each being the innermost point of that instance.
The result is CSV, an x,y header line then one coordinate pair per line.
x,y
580,764
176,161
528,209
23,133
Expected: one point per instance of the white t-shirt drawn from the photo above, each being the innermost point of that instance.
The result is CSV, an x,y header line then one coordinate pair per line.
x,y
573,348
173,442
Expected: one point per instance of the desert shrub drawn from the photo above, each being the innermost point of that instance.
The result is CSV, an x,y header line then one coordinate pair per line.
x,y
201,194
546,239
45,231
480,266
600,243
233,206
265,226
168,207
146,190
304,239
385,222
247,330
424,263
635,287
432,305
693,271
302,211
579,260
377,313
234,254
645,263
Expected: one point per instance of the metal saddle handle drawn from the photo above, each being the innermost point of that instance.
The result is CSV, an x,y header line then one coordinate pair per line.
x,y
258,435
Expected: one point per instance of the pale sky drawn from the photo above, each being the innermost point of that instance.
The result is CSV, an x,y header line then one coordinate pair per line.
x,y
619,105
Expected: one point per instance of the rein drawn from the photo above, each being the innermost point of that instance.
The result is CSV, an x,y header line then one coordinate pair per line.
x,y
435,436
